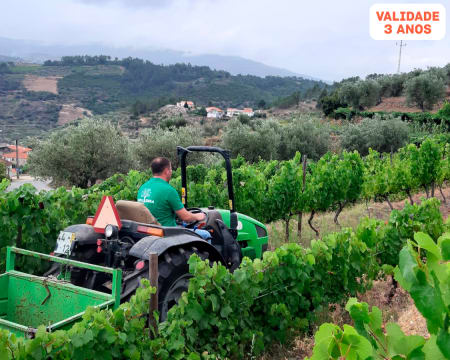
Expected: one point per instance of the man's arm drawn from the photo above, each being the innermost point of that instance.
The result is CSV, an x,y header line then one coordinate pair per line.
x,y
185,215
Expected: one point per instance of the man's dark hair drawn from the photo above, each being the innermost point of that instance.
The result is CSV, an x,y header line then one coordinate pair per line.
x,y
159,164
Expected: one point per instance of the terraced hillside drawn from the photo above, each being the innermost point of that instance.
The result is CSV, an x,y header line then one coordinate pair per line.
x,y
37,98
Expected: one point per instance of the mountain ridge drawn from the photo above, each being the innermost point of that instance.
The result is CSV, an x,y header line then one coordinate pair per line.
x,y
38,52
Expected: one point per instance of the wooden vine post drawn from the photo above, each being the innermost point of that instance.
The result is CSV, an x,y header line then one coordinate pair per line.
x,y
153,275
300,214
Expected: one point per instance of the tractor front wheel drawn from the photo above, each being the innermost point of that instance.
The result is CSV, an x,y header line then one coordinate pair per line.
x,y
174,276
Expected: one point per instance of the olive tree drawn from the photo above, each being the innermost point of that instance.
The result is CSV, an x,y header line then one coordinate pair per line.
x,y
350,93
156,142
425,90
377,134
369,93
81,154
306,136
261,139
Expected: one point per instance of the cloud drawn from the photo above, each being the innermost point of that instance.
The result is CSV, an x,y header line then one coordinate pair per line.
x,y
327,39
129,3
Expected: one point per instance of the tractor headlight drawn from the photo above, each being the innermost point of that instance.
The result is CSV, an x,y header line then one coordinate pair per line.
x,y
110,231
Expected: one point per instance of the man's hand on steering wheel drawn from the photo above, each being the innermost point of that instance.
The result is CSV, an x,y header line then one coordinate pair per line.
x,y
191,217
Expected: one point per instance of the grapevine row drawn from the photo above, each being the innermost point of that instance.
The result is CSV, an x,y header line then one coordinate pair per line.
x,y
267,191
237,315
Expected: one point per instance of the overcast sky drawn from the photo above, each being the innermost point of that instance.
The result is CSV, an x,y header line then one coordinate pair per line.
x,y
327,39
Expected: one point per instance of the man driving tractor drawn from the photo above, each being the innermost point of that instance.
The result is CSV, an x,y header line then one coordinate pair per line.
x,y
162,199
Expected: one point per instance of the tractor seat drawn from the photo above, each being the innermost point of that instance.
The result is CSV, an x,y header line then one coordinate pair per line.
x,y
135,211
214,215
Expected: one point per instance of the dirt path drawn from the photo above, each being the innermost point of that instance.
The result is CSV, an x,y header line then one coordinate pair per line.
x,y
350,217
26,179
380,210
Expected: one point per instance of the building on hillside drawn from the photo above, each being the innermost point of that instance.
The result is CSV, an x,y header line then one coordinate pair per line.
x,y
235,112
232,112
214,112
21,149
248,111
183,103
23,157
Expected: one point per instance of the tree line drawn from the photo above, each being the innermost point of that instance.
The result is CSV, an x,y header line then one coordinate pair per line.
x,y
423,88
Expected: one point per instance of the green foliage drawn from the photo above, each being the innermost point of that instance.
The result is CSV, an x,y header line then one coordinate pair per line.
x,y
288,101
201,111
344,113
360,94
245,139
444,111
81,154
424,90
306,136
152,143
224,315
176,121
426,163
330,103
392,85
380,135
154,84
39,95
5,68
427,280
3,173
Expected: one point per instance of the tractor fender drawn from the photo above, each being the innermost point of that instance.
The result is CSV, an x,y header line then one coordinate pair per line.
x,y
160,245
84,234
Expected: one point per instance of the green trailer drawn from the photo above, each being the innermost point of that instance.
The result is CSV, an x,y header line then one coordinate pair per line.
x,y
28,301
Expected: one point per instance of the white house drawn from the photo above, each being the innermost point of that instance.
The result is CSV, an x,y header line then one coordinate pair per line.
x,y
214,112
234,112
248,111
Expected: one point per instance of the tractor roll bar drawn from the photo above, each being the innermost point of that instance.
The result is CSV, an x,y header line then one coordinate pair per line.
x,y
182,153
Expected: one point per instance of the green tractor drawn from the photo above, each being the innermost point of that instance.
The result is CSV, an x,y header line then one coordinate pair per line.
x,y
127,247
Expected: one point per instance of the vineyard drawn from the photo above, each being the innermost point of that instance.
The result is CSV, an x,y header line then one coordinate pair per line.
x,y
237,315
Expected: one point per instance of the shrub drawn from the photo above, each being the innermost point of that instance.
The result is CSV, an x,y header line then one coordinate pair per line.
x,y
173,122
380,135
163,142
81,154
330,103
304,136
2,171
444,112
260,141
425,90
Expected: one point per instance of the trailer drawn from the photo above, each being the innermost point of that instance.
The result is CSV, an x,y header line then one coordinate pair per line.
x,y
28,301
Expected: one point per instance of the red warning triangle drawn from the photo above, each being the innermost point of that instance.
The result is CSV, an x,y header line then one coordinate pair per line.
x,y
106,215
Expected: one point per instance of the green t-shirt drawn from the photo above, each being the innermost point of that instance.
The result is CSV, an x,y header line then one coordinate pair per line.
x,y
161,199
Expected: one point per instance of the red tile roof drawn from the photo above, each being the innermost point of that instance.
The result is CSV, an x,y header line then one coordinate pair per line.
x,y
22,155
213,108
21,148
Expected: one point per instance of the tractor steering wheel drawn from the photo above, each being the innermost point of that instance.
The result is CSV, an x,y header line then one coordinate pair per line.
x,y
193,210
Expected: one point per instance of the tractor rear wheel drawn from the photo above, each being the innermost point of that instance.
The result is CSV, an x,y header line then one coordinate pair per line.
x,y
174,276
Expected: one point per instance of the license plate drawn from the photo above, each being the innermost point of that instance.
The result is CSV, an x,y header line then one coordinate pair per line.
x,y
64,243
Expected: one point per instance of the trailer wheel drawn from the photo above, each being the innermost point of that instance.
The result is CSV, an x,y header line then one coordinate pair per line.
x,y
174,276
